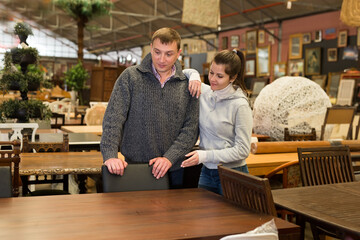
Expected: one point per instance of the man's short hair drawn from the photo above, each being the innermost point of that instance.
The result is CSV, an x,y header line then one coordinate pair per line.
x,y
166,36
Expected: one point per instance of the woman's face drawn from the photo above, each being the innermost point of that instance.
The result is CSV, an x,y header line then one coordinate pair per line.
x,y
218,78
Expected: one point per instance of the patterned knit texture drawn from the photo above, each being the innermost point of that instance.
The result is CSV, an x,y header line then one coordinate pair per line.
x,y
148,121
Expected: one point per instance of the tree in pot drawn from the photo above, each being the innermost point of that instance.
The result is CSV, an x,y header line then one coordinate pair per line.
x,y
19,72
75,79
82,11
23,30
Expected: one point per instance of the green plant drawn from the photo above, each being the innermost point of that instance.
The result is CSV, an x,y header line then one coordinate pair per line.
x,y
82,11
22,28
11,78
34,109
75,78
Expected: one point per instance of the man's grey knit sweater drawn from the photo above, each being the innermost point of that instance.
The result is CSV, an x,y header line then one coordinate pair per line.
x,y
147,121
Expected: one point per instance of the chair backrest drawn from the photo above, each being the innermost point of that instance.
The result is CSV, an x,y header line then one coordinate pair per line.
x,y
247,191
290,174
339,115
325,165
18,128
9,162
95,115
300,136
136,177
46,146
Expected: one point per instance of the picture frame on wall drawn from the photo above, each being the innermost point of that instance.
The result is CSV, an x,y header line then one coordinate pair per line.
x,y
306,38
358,36
313,61
333,84
318,36
250,67
279,69
342,38
271,38
263,61
251,41
296,67
224,43
332,54
295,46
261,37
234,42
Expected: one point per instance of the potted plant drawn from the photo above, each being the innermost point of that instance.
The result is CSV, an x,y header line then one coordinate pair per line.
x,y
23,30
75,78
24,110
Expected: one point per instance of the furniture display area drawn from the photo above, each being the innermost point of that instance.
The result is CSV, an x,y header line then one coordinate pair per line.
x,y
167,214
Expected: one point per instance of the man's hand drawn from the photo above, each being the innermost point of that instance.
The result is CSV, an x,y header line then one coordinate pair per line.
x,y
161,166
195,88
116,165
192,160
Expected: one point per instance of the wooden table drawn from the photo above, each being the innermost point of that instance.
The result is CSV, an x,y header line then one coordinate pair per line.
x,y
164,214
332,206
97,129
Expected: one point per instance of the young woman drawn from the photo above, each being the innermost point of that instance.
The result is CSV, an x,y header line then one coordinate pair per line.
x,y
225,120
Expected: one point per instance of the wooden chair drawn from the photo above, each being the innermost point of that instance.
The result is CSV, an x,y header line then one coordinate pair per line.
x,y
136,177
290,178
46,147
9,162
299,136
325,165
247,191
339,115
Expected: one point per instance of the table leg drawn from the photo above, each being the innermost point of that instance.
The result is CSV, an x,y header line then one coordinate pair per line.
x,y
301,222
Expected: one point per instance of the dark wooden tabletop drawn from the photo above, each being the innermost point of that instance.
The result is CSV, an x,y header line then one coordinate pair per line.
x,y
165,214
333,205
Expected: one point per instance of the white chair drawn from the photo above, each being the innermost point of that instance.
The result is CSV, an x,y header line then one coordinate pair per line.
x,y
17,128
92,104
252,236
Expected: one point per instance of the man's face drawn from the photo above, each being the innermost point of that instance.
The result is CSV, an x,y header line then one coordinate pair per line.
x,y
164,56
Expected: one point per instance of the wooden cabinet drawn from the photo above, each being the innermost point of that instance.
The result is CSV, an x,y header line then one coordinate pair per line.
x,y
102,82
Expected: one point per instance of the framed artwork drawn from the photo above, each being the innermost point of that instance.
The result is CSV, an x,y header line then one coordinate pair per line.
x,y
345,92
358,37
333,84
251,41
263,61
250,67
224,43
312,61
330,33
350,53
306,38
261,36
271,38
332,54
279,69
342,38
318,36
295,46
296,67
234,41
319,79
257,84
186,61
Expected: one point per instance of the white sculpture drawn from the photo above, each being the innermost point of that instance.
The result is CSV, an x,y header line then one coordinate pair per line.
x,y
297,103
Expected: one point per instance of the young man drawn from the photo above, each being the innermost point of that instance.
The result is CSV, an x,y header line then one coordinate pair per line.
x,y
151,116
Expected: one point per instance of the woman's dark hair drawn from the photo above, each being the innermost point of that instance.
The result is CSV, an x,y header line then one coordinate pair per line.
x,y
234,62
